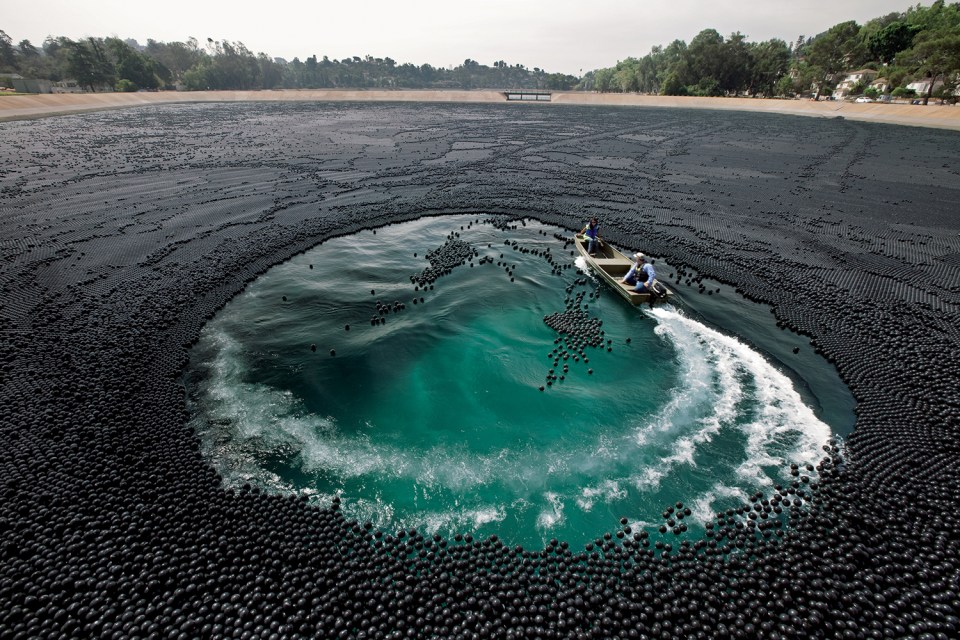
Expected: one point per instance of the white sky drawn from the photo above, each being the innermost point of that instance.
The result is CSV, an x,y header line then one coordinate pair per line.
x,y
564,36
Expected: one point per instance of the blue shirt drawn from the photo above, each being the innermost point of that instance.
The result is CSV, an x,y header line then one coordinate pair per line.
x,y
647,268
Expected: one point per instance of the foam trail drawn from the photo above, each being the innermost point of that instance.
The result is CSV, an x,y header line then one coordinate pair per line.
x,y
783,419
705,400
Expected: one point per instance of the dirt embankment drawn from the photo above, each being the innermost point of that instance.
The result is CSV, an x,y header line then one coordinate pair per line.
x,y
34,106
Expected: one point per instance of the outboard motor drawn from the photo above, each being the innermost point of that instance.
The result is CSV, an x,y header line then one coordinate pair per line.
x,y
658,290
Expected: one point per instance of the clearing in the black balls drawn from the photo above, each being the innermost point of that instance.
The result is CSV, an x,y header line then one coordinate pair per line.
x,y
428,412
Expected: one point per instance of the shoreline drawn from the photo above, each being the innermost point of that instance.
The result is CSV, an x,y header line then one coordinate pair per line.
x,y
32,106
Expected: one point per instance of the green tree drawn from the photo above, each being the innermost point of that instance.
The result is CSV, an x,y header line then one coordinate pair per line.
x,y
197,77
935,53
26,50
311,73
467,73
8,57
896,76
885,44
603,80
903,92
938,17
428,73
649,70
948,92
560,82
88,63
228,65
785,87
675,63
271,73
937,57
673,85
834,51
804,77
770,62
707,87
625,76
31,61
131,65
705,58
56,53
174,59
736,65
295,74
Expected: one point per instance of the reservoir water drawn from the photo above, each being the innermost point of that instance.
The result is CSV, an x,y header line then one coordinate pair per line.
x,y
420,405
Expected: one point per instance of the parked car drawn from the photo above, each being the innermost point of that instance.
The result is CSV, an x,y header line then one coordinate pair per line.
x,y
864,99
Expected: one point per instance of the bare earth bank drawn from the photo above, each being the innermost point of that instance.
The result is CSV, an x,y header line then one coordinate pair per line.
x,y
34,106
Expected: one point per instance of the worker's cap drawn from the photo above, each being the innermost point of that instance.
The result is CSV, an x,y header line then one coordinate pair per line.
x,y
639,256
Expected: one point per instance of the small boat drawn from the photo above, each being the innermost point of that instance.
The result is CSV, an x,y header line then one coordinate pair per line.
x,y
611,265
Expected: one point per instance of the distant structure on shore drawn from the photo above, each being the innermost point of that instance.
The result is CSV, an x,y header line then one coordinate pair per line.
x,y
530,96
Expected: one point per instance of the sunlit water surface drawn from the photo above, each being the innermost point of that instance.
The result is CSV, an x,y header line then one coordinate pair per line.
x,y
434,419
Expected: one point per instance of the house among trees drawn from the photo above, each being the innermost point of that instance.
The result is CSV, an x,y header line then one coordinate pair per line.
x,y
67,86
854,83
922,87
882,85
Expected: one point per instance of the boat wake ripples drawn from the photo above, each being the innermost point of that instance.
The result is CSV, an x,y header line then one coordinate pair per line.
x,y
454,436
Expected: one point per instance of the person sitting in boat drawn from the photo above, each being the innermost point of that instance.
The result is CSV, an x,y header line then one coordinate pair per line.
x,y
641,269
631,277
592,233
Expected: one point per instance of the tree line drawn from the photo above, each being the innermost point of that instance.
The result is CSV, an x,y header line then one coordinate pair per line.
x,y
919,43
709,66
124,65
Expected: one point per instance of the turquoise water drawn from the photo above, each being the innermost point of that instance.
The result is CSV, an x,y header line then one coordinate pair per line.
x,y
433,416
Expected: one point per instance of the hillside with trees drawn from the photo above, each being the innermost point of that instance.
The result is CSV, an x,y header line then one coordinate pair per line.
x,y
919,43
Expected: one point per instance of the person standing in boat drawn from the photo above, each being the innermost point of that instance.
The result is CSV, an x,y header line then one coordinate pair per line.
x,y
642,274
592,233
